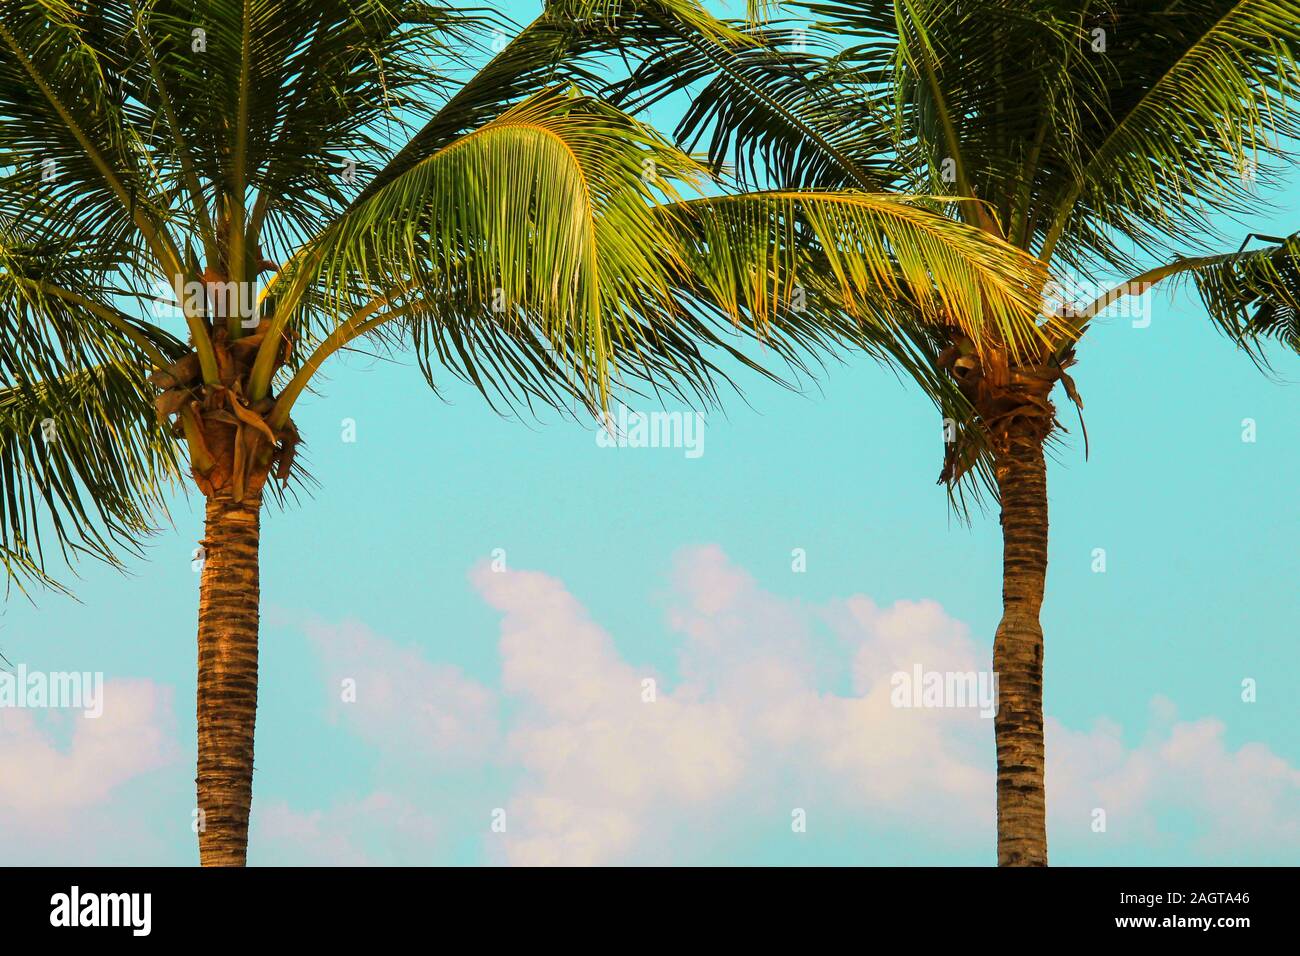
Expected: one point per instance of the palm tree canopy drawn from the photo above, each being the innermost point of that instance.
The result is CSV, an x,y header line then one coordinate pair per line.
x,y
1099,137
1076,122
513,229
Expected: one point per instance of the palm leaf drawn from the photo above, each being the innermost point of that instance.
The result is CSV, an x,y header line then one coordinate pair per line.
x,y
553,214
83,458
1255,296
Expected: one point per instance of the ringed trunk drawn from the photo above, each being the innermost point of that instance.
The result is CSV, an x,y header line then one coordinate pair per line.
x,y
233,452
227,678
1014,411
1021,471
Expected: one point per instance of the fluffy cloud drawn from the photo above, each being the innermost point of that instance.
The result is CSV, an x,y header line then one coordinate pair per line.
x,y
402,701
70,782
746,728
610,761
602,763
131,738
750,730
381,828
774,706
1239,802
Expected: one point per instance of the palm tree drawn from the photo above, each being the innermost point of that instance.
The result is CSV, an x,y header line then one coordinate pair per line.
x,y
521,235
1098,137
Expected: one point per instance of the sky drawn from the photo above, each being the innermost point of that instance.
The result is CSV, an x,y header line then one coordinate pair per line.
x,y
564,653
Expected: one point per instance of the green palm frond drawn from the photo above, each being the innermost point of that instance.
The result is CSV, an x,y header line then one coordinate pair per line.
x,y
56,308
769,107
550,222
1088,127
285,94
572,41
1255,296
82,458
81,453
68,134
885,260
541,217
544,246
1199,98
1093,135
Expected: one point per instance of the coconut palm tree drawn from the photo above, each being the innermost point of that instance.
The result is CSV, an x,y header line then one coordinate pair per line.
x,y
277,179
1098,137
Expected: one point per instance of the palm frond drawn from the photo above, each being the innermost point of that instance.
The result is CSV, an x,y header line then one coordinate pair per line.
x,y
1199,99
885,260
1255,296
82,459
572,41
550,222
542,219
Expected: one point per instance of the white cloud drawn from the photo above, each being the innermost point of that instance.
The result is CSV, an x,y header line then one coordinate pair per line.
x,y
599,760
381,828
610,778
1239,802
403,702
44,781
106,790
776,703
609,774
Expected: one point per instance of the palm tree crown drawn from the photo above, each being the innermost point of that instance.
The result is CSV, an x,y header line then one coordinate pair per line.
x,y
208,200
1100,138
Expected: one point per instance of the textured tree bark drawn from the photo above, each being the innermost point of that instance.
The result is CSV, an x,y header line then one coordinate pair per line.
x,y
1018,653
227,682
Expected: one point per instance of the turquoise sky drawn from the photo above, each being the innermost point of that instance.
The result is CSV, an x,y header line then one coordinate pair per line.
x,y
375,574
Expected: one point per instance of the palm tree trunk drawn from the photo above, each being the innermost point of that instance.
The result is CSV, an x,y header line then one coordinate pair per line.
x,y
1018,653
227,683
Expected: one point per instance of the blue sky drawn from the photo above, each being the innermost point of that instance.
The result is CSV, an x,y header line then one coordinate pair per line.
x,y
521,690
